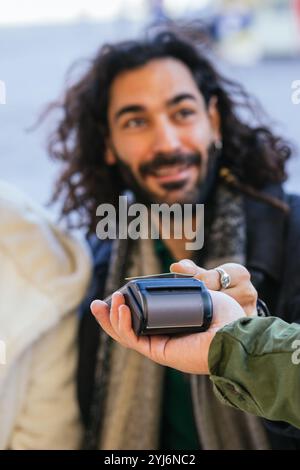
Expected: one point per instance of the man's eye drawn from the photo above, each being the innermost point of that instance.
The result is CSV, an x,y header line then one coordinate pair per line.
x,y
184,113
134,123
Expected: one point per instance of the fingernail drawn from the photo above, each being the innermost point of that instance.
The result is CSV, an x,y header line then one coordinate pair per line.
x,y
117,293
188,264
96,303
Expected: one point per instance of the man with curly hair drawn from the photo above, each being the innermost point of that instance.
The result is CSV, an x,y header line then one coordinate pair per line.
x,y
154,117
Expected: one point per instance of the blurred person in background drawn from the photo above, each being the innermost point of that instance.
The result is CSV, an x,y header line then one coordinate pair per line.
x,y
44,275
156,118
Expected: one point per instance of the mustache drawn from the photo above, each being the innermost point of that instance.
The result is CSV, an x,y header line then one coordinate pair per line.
x,y
163,160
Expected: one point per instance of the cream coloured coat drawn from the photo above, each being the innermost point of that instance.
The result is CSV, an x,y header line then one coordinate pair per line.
x,y
43,276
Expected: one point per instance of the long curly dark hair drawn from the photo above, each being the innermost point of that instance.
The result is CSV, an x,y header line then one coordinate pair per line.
x,y
253,155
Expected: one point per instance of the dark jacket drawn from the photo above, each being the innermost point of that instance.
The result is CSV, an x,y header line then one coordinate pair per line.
x,y
273,258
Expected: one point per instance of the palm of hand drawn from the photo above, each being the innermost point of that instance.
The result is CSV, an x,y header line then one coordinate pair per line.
x,y
188,353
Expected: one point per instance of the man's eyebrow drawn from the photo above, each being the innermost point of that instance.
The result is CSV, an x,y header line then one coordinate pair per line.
x,y
137,108
182,96
132,108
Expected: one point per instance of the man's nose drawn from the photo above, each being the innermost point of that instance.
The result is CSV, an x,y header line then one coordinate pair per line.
x,y
166,138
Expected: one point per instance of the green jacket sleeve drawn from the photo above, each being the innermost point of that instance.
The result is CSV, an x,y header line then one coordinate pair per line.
x,y
255,366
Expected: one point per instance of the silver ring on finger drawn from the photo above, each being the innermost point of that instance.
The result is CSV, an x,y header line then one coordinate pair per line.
x,y
225,279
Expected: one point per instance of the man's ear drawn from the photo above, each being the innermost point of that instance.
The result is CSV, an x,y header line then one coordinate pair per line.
x,y
110,158
214,117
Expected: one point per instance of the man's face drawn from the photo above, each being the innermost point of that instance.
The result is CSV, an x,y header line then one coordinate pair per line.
x,y
160,131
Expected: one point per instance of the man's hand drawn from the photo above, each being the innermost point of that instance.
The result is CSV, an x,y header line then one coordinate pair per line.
x,y
188,353
241,289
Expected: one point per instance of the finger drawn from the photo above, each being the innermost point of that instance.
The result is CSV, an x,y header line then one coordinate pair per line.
x,y
246,295
100,310
148,346
248,298
250,310
211,279
186,266
117,301
125,325
237,272
239,275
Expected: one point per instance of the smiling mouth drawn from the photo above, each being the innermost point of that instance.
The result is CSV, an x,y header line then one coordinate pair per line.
x,y
171,173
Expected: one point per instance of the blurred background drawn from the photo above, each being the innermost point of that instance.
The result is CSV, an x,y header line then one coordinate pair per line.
x,y
256,43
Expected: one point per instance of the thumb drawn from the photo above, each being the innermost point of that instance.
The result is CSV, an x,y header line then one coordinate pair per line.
x,y
186,266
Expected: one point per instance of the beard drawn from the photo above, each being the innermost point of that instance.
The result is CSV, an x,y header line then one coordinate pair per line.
x,y
196,195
